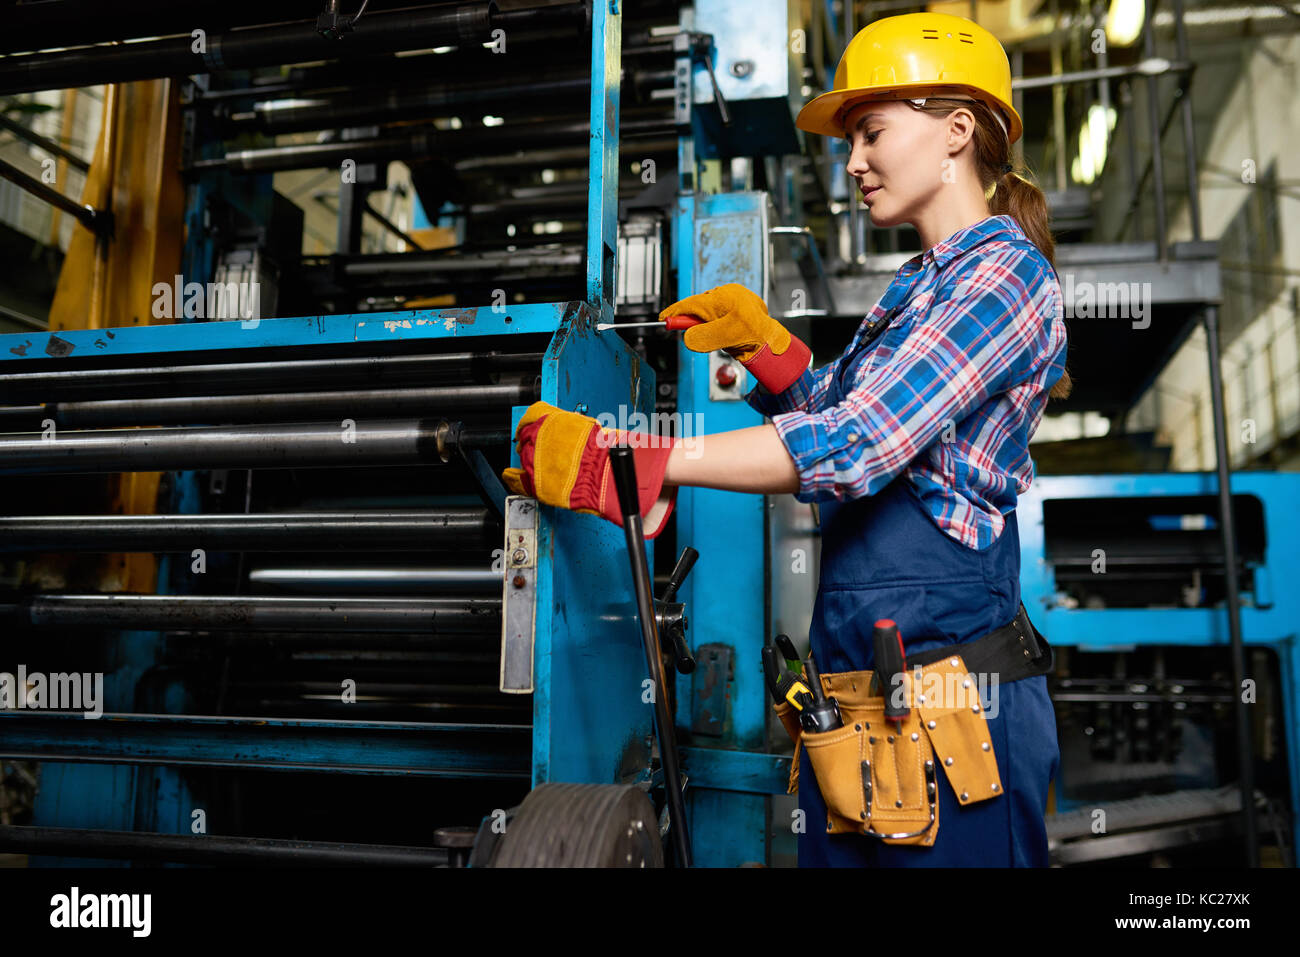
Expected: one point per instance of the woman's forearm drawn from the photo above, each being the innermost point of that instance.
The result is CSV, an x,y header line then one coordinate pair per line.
x,y
744,460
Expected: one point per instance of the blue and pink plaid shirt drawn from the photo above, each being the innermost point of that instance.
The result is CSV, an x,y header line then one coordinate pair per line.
x,y
951,392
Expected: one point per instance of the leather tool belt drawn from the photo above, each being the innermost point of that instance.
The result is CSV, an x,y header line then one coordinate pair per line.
x,y
879,777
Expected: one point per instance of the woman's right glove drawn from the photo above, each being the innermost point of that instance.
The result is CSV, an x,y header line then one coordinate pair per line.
x,y
736,320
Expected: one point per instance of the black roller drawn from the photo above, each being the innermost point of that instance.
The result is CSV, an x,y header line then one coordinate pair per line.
x,y
212,849
254,613
272,407
424,143
303,112
491,263
272,532
303,445
235,378
295,42
394,105
430,143
571,156
386,581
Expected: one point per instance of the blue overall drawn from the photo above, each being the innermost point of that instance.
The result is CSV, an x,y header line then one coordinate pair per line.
x,y
884,556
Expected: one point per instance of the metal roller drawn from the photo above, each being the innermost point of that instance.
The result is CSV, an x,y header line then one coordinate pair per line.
x,y
426,143
332,111
271,407
254,613
234,378
489,263
212,849
266,532
547,274
471,65
395,105
308,444
333,580
409,748
276,45
573,156
372,689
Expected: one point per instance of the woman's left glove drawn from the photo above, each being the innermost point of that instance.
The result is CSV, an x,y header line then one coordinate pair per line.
x,y
565,462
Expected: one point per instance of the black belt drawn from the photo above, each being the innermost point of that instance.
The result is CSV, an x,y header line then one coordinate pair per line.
x,y
1014,651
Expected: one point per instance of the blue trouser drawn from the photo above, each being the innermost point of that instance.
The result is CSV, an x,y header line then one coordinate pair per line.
x,y
885,557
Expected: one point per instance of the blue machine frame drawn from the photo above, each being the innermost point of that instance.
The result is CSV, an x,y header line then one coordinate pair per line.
x,y
590,722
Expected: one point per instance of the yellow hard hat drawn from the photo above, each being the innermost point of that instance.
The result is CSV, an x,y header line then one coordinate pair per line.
x,y
917,55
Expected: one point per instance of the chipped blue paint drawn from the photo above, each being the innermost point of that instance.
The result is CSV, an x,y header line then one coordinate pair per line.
x,y
297,331
589,720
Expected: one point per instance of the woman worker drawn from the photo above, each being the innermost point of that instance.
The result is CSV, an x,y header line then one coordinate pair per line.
x,y
914,442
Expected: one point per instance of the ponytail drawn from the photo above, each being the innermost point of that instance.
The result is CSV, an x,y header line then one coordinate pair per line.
x,y
1011,193
1019,198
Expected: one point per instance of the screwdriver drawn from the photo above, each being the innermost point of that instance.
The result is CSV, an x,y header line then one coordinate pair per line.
x,y
672,323
891,663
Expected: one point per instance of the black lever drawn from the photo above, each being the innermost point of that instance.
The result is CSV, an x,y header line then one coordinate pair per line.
x,y
684,566
701,47
623,464
674,617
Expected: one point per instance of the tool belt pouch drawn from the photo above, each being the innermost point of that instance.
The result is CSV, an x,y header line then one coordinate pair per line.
x,y
879,778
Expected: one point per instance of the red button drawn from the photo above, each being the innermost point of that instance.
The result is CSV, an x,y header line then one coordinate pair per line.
x,y
726,376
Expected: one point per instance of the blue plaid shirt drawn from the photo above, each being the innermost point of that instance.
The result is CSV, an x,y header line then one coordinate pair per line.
x,y
951,392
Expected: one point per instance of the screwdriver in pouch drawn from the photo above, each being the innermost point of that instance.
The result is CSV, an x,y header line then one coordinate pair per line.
x,y
891,663
823,713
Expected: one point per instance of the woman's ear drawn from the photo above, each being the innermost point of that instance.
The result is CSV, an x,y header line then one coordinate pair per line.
x,y
961,127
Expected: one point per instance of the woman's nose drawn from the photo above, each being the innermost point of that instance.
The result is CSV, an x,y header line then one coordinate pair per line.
x,y
857,164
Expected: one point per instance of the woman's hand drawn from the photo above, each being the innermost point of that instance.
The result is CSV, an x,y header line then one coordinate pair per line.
x,y
565,462
736,320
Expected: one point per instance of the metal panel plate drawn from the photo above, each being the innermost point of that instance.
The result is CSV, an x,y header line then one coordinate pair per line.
x,y
519,595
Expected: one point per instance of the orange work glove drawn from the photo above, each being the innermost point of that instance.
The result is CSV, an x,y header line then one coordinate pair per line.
x,y
736,320
565,459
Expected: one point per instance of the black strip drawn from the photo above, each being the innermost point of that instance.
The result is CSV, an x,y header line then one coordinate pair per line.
x,y
1014,651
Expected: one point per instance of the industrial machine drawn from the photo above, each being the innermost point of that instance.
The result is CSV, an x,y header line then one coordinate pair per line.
x,y
253,512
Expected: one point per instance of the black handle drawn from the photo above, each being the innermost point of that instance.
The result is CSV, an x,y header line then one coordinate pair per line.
x,y
702,44
623,463
890,663
684,566
788,650
682,652
625,480
772,672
